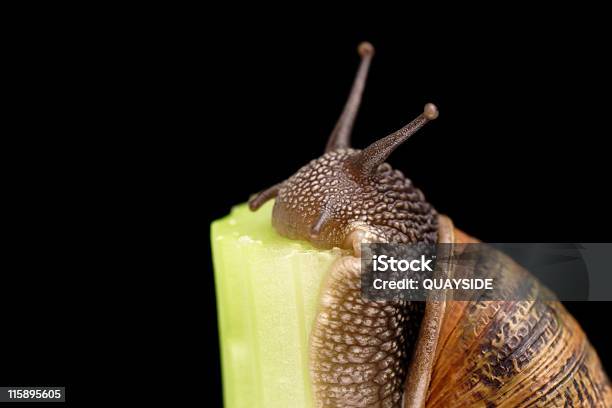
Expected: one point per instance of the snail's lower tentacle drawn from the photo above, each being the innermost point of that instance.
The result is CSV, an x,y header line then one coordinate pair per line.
x,y
259,199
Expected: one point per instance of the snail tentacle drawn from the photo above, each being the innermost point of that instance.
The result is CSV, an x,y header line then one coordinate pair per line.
x,y
259,199
341,135
369,159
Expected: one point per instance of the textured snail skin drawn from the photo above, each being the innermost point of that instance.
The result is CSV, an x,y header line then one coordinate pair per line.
x,y
328,188
441,353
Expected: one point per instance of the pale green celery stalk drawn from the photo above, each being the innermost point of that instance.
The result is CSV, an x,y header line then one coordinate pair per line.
x,y
267,291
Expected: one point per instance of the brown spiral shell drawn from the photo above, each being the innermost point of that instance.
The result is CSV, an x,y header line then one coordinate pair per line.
x,y
514,353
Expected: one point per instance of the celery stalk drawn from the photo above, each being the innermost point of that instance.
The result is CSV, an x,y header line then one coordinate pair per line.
x,y
267,291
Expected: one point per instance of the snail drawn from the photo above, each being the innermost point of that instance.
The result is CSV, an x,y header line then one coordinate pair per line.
x,y
442,353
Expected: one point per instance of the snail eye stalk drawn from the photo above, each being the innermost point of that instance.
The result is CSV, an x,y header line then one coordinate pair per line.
x,y
341,135
368,160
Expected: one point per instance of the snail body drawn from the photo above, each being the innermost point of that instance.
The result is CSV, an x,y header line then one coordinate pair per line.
x,y
441,353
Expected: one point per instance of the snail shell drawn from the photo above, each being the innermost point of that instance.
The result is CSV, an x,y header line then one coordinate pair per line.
x,y
514,353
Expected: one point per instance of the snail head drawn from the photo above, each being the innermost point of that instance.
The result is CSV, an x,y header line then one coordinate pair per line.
x,y
323,200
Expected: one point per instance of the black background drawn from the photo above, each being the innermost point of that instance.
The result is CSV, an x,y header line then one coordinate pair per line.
x,y
132,130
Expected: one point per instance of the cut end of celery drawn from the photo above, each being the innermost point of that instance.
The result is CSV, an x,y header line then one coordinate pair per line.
x,y
267,289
